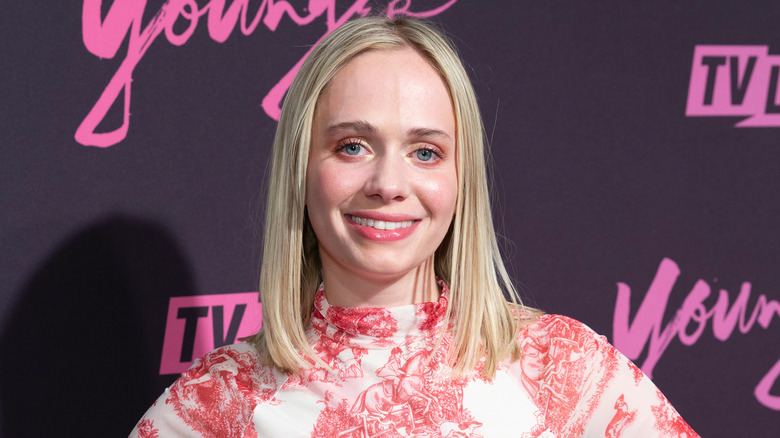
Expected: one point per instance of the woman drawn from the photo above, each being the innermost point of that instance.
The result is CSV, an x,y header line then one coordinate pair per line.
x,y
383,291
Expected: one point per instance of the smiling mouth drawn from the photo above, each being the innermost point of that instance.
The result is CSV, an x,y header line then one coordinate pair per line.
x,y
381,225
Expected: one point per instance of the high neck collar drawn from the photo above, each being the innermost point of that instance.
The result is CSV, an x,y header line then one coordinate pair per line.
x,y
378,327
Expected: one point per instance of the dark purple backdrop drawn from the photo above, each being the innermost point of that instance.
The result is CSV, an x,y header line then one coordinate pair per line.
x,y
599,176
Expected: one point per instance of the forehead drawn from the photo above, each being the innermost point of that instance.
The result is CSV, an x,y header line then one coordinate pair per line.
x,y
393,88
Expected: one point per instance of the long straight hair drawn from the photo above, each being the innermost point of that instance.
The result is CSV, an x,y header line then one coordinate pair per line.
x,y
485,324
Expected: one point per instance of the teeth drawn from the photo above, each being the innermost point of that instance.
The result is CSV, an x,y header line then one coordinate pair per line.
x,y
381,225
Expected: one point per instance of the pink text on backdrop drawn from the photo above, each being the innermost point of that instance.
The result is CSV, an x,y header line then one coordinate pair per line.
x,y
104,37
735,81
632,338
198,324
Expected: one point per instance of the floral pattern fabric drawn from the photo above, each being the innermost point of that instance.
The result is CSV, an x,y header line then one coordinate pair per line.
x,y
387,378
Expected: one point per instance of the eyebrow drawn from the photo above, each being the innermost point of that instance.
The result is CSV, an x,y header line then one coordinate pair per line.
x,y
363,127
358,126
427,133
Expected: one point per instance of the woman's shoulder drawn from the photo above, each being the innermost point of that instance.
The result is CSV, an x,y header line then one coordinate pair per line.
x,y
584,382
238,356
231,367
216,396
559,325
545,326
550,338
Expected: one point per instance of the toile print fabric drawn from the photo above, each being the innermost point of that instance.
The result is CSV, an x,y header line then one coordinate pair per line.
x,y
387,379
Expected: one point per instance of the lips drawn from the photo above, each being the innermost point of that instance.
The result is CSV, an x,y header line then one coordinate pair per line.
x,y
380,224
382,228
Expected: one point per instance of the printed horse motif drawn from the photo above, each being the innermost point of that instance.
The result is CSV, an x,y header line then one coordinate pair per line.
x,y
392,403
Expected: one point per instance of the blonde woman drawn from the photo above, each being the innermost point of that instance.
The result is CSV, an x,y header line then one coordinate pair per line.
x,y
383,290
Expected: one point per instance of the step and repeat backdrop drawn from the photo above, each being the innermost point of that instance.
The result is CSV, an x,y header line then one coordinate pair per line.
x,y
636,187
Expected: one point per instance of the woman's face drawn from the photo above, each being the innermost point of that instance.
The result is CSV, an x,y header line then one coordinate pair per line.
x,y
382,180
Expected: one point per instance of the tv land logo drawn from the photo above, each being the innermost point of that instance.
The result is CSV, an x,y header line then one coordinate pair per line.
x,y
198,324
735,81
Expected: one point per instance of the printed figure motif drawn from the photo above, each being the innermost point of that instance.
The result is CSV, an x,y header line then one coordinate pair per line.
x,y
146,429
622,417
392,402
228,379
346,362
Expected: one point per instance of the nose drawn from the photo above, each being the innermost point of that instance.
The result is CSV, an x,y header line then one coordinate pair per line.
x,y
388,181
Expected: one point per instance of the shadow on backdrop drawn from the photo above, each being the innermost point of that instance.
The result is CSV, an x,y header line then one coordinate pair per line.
x,y
80,353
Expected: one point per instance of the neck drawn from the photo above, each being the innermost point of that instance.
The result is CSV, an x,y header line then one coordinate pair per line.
x,y
345,288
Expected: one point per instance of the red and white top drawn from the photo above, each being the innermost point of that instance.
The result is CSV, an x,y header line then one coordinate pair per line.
x,y
386,381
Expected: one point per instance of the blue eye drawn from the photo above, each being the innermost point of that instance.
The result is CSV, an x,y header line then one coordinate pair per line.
x,y
424,154
352,149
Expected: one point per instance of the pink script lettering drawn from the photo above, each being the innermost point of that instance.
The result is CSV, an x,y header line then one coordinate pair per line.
x,y
103,37
631,338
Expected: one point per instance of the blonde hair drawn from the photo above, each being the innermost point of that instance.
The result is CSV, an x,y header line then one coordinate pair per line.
x,y
485,324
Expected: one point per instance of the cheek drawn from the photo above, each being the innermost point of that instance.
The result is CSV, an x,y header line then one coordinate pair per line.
x,y
327,188
441,194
